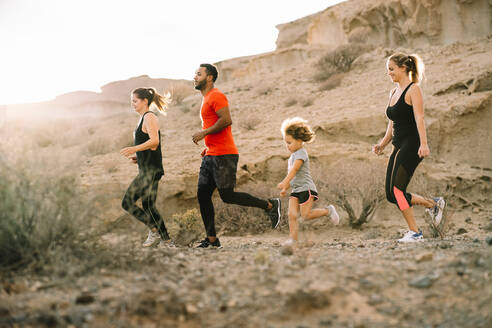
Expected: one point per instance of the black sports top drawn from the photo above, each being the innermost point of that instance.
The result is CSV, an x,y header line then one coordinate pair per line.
x,y
404,124
148,160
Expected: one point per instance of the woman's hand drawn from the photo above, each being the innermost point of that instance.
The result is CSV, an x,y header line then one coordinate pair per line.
x,y
128,151
283,192
423,151
134,159
378,149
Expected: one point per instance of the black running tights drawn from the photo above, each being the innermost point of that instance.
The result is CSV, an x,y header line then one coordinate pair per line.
x,y
227,195
145,186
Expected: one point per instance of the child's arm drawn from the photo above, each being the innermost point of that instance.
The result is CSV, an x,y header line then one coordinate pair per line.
x,y
285,183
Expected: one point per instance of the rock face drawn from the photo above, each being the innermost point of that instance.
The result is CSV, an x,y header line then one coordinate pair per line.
x,y
408,23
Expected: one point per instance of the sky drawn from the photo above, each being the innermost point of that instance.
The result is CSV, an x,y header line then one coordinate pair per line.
x,y
51,47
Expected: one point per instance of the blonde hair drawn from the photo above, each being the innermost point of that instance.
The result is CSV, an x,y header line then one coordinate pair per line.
x,y
297,128
160,101
413,65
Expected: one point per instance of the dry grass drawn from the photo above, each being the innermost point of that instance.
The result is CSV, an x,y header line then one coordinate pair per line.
x,y
250,123
332,82
186,228
357,186
290,102
180,91
339,60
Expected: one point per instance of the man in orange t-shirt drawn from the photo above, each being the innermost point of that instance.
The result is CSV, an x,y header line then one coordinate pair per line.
x,y
220,157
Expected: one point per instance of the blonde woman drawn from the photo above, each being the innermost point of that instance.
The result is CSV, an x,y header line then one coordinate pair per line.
x,y
406,131
146,153
296,132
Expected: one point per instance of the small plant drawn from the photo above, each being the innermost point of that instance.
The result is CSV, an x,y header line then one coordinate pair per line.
x,y
339,60
264,91
331,83
357,187
307,102
290,102
250,123
186,228
180,91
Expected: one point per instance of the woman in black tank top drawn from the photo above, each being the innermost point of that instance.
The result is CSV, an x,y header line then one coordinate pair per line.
x,y
406,131
146,152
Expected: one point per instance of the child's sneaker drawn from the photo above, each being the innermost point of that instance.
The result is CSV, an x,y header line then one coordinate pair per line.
x,y
290,242
335,218
437,211
412,237
153,239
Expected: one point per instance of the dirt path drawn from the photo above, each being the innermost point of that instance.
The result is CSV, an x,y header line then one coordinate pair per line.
x,y
328,281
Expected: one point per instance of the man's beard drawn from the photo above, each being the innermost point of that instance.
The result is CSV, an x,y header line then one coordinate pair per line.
x,y
201,85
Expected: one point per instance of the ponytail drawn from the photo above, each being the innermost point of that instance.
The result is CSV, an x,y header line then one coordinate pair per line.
x,y
413,65
417,68
161,101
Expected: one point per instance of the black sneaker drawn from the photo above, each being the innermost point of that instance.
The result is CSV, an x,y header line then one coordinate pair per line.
x,y
274,212
206,243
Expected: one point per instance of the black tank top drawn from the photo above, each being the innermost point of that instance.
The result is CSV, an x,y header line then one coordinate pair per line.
x,y
404,124
149,161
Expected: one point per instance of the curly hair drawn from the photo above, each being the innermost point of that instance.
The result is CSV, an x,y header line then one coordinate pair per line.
x,y
298,129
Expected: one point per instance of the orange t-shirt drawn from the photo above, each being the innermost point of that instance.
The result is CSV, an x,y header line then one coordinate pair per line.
x,y
222,142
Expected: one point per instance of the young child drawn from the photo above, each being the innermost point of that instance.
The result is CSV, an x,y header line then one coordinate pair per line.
x,y
296,132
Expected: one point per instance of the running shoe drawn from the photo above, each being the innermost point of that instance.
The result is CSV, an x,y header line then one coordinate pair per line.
x,y
206,243
153,239
412,237
274,212
289,242
437,211
335,218
167,243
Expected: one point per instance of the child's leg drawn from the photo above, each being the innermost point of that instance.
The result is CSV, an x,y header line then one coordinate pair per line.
x,y
293,213
308,213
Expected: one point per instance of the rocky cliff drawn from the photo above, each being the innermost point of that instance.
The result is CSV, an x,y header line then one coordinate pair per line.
x,y
407,23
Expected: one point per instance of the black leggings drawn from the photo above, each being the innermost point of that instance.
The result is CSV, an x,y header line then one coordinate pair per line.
x,y
145,186
229,196
401,166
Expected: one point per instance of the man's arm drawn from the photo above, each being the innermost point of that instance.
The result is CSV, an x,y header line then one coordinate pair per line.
x,y
224,121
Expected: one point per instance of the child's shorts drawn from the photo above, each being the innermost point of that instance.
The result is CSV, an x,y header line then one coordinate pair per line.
x,y
304,196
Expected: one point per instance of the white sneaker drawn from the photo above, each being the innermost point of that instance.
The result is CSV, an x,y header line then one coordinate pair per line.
x,y
412,237
289,242
335,218
437,211
153,239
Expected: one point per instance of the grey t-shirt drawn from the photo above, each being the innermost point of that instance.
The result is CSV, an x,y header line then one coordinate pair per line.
x,y
302,181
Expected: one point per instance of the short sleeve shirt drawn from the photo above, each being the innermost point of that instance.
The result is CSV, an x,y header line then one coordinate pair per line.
x,y
303,180
222,142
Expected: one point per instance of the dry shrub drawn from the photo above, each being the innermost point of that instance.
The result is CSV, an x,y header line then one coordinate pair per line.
x,y
250,123
307,102
264,90
290,102
357,186
46,223
339,60
100,146
186,228
180,91
234,219
420,185
332,82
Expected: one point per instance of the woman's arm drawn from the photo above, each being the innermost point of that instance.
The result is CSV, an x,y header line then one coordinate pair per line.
x,y
151,126
418,112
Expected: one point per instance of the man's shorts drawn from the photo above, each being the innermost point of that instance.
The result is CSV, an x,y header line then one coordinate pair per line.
x,y
304,196
219,171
